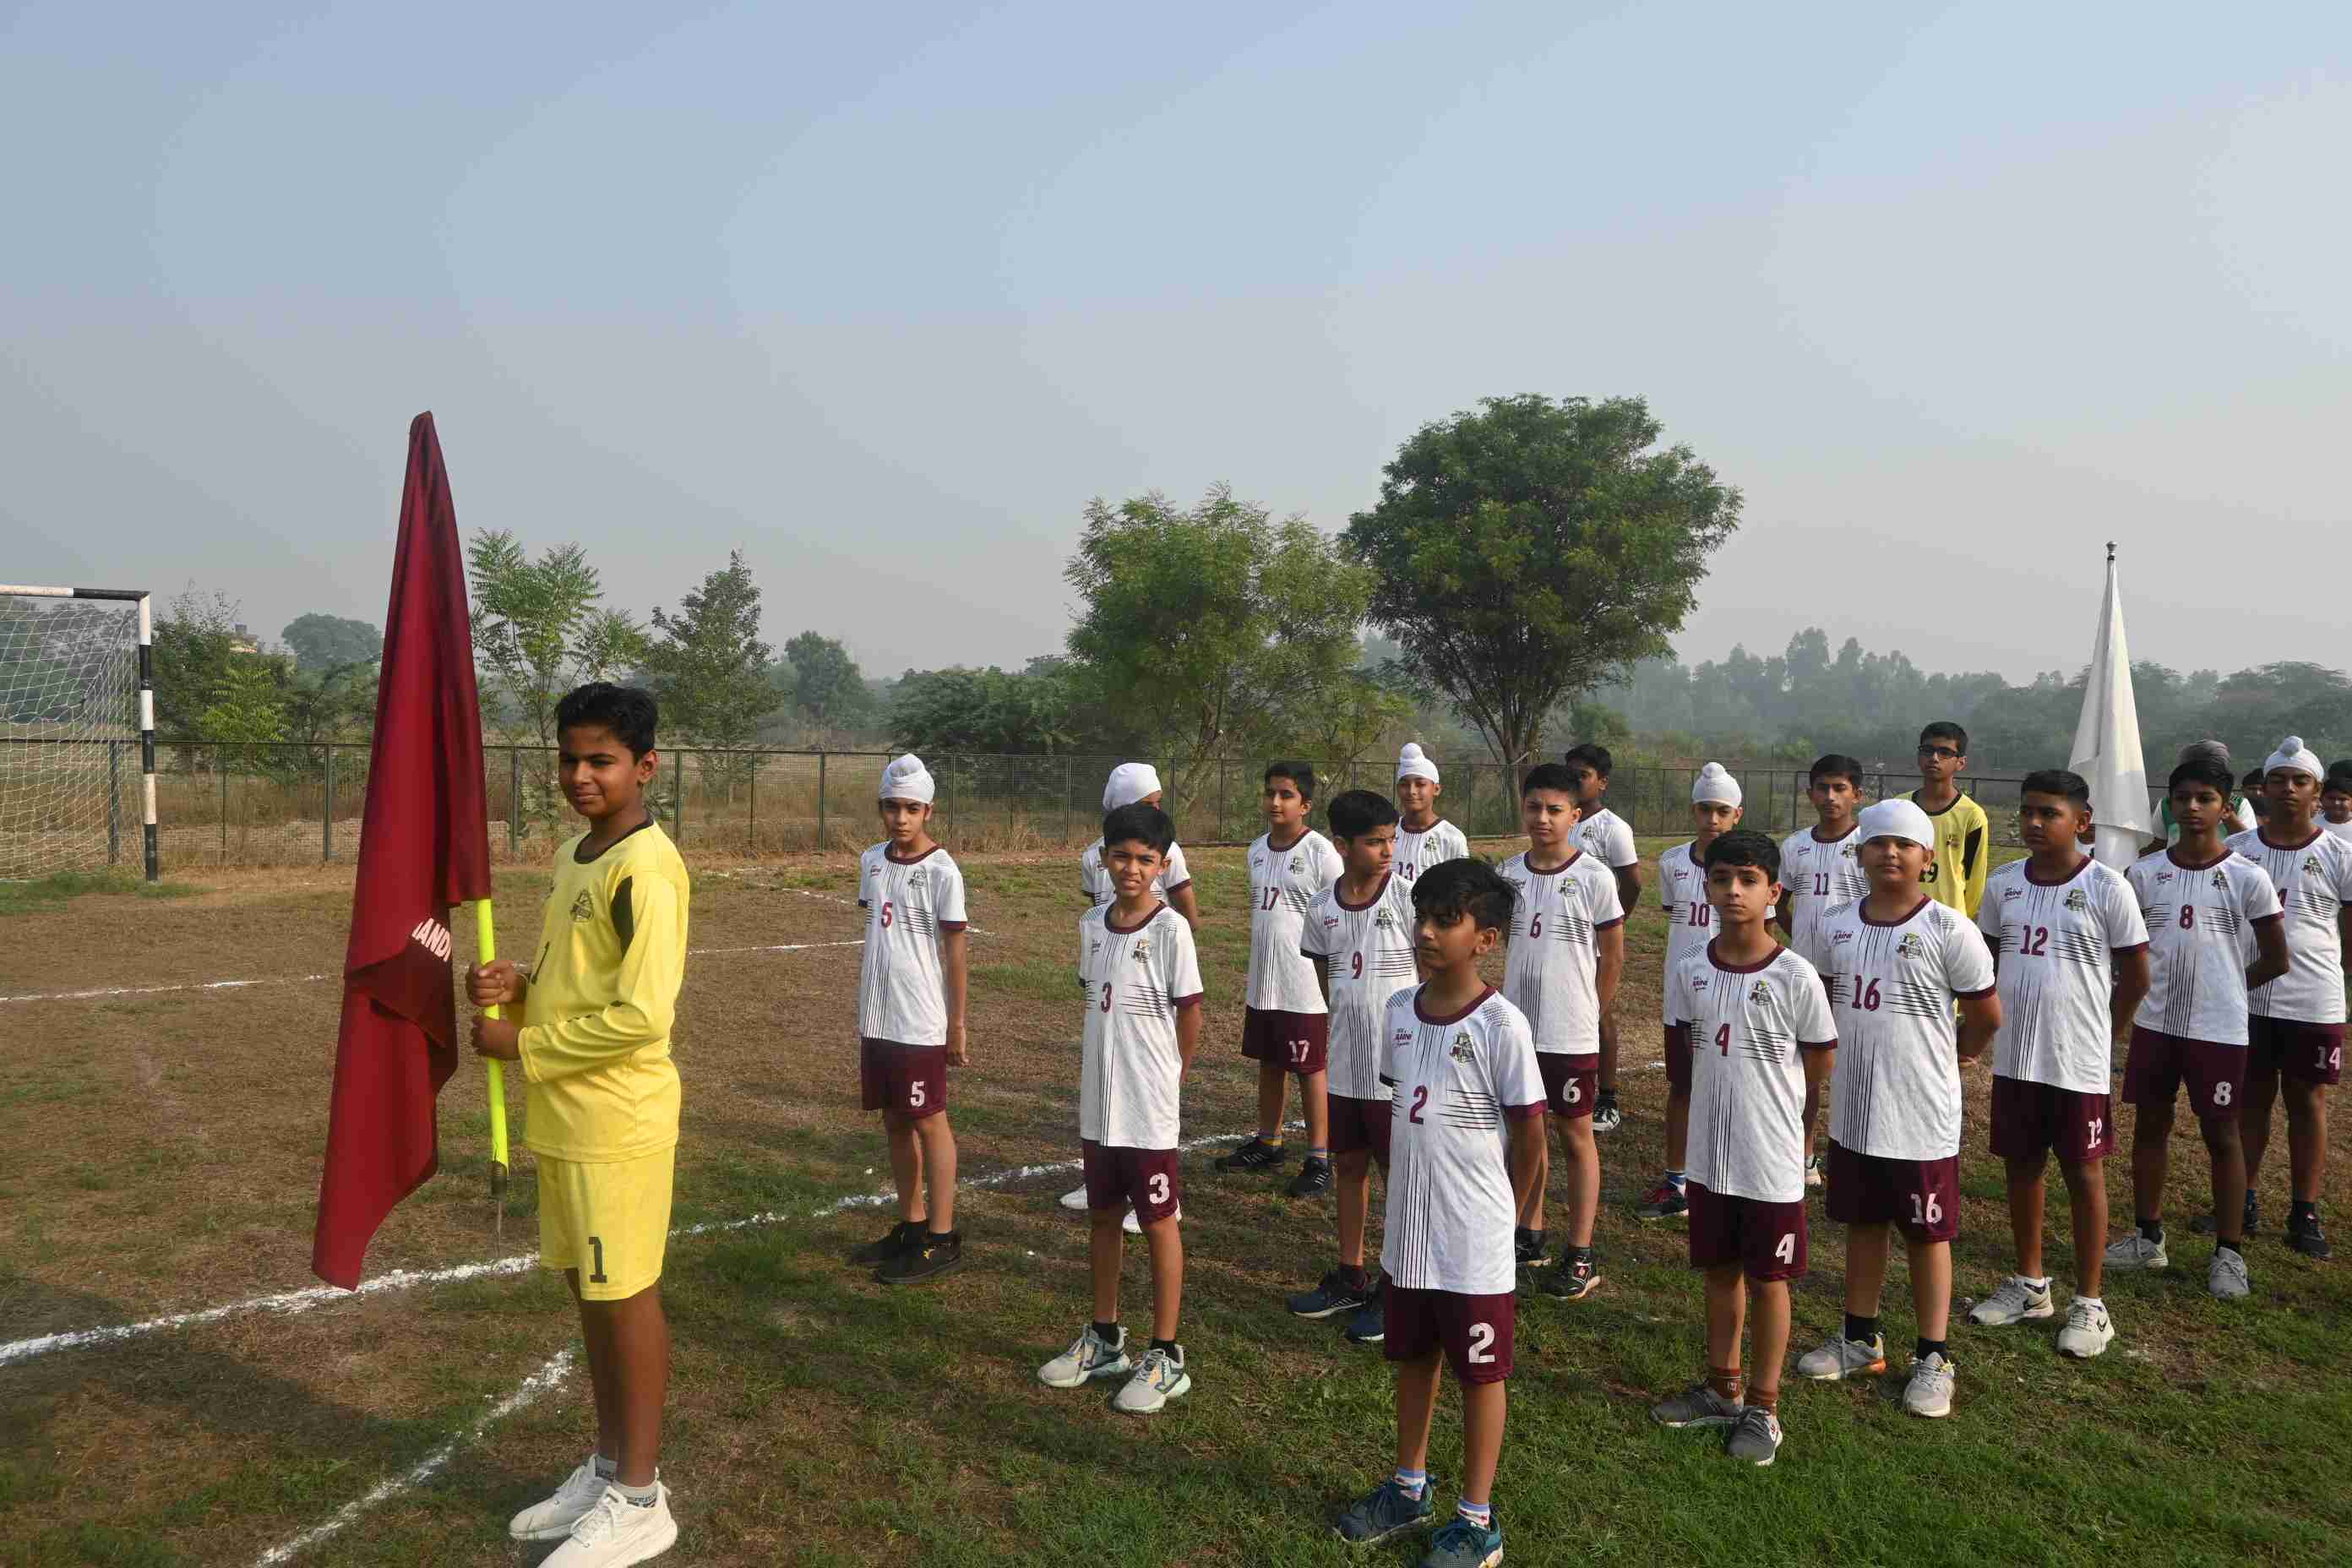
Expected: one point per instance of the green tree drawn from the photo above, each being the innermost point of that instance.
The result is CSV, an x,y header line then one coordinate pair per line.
x,y
321,643
1203,625
1526,551
709,667
610,646
529,617
243,716
195,647
828,689
1035,710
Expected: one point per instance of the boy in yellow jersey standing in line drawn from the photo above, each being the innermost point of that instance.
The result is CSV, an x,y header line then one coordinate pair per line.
x,y
602,1117
1956,876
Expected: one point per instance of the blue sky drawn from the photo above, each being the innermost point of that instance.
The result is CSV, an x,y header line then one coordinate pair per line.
x,y
1953,296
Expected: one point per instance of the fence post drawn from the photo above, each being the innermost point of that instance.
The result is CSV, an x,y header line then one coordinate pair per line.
x,y
113,801
1069,798
514,801
820,800
220,766
327,811
751,839
678,813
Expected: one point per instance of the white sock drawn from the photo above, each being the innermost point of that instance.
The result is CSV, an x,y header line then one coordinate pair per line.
x,y
644,1495
605,1468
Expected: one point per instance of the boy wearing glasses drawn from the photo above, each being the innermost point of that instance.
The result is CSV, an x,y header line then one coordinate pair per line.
x,y
1956,874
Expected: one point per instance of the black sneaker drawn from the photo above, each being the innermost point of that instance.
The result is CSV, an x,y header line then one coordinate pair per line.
x,y
2305,1237
1254,1155
1573,1278
1606,1116
1334,1296
904,1236
2203,1224
1313,1179
1527,1253
1370,1325
1384,1511
930,1257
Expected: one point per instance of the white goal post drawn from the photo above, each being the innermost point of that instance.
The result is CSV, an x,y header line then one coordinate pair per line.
x,y
77,688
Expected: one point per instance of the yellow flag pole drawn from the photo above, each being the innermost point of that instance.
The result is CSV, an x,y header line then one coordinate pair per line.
x,y
485,940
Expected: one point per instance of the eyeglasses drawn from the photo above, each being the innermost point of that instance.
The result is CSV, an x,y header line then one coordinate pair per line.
x,y
1941,754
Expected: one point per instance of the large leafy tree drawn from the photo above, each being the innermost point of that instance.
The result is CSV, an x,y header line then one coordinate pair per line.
x,y
1526,550
1042,709
708,667
1207,626
539,630
322,643
828,689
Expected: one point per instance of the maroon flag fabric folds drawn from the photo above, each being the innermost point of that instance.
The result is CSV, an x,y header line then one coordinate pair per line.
x,y
423,847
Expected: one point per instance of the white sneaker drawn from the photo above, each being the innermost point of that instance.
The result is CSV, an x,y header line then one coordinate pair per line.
x,y
1814,1175
1075,1200
2013,1302
1160,1379
1134,1227
2136,1251
1089,1356
616,1533
1929,1392
2227,1278
1841,1357
553,1517
2088,1329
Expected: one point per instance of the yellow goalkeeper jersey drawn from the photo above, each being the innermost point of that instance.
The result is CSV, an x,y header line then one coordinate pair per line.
x,y
603,991
1963,844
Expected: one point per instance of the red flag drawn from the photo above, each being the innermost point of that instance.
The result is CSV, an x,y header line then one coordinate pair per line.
x,y
423,847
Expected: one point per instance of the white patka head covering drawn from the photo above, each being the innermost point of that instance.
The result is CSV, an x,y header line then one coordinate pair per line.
x,y
907,779
1128,782
1896,819
1412,763
2292,753
1714,784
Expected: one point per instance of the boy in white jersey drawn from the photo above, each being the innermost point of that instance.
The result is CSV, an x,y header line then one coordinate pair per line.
x,y
1286,1023
1424,838
2335,800
1465,1144
911,1023
1568,948
2296,1027
2072,954
1690,921
1892,961
1608,838
2200,900
1359,932
1141,979
1756,1025
1819,867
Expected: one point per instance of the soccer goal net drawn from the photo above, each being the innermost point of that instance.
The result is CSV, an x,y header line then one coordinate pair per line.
x,y
77,731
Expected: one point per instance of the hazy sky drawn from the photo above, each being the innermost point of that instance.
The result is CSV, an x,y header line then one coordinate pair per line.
x,y
883,298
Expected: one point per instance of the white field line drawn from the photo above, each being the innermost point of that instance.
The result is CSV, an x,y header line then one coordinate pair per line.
x,y
552,1372
12,1351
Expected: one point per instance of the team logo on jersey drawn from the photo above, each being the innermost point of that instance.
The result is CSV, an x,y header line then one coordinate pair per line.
x,y
2220,880
1910,946
1845,851
2311,864
920,876
1840,936
1298,862
1762,993
1385,918
1460,1051
2006,893
584,908
1141,951
2162,877
2076,900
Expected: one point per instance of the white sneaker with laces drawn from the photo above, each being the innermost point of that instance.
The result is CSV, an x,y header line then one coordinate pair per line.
x,y
552,1518
1929,1392
1075,1200
1089,1356
616,1533
1814,1175
1160,1379
2227,1276
1841,1357
2088,1329
2012,1301
2136,1252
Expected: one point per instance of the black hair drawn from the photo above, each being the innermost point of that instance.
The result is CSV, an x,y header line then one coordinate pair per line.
x,y
2072,787
629,712
1746,846
1355,812
1838,765
1468,886
1945,729
1592,755
1552,777
1300,774
2339,777
2254,779
1139,823
2214,775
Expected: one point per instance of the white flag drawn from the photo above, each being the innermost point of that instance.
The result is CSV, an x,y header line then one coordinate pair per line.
x,y
2107,741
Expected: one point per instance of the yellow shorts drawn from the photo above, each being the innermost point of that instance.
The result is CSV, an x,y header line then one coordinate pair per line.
x,y
608,1219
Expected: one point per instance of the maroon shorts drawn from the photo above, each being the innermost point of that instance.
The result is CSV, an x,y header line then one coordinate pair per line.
x,y
1678,1064
2030,1120
906,1081
1571,1082
2309,1053
1151,1181
1474,1332
1920,1197
1299,1041
1362,1124
1767,1240
2152,1073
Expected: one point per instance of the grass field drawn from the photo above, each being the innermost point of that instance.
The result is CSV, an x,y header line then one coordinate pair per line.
x,y
159,1154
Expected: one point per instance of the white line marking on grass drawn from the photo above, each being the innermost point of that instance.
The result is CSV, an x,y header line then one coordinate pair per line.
x,y
552,1372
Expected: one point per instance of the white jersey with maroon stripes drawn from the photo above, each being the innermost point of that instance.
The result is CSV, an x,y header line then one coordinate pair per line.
x,y
1749,1027
1433,845
1093,877
1282,882
2314,879
1367,951
2056,943
1131,1066
2341,829
1815,875
908,905
1608,838
1896,1091
1459,1081
1690,919
2201,921
1550,972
